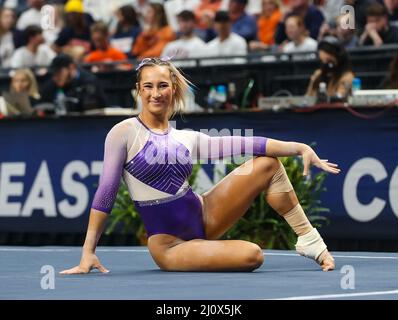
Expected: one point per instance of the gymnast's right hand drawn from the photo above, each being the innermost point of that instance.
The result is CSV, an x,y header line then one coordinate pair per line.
x,y
88,262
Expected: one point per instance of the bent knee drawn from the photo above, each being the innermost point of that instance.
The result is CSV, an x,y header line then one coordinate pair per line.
x,y
268,164
159,247
168,263
255,257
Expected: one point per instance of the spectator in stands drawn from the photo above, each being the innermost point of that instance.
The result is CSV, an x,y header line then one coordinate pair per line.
x,y
10,38
392,10
141,7
335,70
341,29
56,23
206,12
313,19
242,24
298,36
330,9
360,7
253,7
205,24
391,81
127,29
32,16
103,52
81,88
74,39
151,42
266,25
35,16
35,53
23,82
188,45
227,43
174,7
377,30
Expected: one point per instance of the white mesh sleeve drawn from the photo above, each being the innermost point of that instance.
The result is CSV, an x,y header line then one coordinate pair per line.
x,y
115,153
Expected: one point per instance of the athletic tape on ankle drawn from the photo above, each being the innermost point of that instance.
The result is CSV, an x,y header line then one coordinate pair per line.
x,y
311,245
280,181
297,220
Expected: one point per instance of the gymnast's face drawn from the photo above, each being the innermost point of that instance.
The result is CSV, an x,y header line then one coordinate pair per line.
x,y
156,89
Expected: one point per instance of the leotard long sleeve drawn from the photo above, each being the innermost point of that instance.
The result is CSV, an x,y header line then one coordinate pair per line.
x,y
157,165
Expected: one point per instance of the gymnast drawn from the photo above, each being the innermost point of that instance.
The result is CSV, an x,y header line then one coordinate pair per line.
x,y
183,227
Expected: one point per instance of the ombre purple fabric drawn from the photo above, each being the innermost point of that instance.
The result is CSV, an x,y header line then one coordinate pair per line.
x,y
164,164
115,154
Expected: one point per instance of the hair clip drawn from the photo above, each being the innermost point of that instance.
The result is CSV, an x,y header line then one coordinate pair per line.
x,y
153,60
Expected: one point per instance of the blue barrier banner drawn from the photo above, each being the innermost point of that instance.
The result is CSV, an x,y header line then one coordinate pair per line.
x,y
49,168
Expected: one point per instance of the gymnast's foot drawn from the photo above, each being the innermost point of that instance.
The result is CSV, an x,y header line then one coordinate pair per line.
x,y
326,261
311,245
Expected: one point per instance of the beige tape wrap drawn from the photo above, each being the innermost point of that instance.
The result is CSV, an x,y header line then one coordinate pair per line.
x,y
280,181
311,245
297,219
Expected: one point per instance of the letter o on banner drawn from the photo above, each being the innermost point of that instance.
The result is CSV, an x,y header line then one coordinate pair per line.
x,y
356,210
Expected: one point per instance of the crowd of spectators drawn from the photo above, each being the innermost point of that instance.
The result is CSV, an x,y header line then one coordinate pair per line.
x,y
94,31
34,32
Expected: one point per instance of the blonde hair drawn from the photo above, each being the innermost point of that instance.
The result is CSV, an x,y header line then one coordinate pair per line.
x,y
180,84
33,90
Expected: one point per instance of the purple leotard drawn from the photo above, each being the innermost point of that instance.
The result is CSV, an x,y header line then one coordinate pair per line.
x,y
156,167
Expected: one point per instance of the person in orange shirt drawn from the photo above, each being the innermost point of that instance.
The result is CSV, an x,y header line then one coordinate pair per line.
x,y
205,13
151,42
267,23
104,52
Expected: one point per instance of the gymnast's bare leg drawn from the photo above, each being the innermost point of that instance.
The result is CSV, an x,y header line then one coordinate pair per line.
x,y
223,206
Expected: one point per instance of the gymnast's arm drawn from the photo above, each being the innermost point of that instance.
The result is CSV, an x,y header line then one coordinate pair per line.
x,y
278,148
208,147
115,154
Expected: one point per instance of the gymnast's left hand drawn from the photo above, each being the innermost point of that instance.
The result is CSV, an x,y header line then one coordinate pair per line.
x,y
88,262
310,158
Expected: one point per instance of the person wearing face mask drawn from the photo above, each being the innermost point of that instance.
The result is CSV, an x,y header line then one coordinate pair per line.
x,y
335,70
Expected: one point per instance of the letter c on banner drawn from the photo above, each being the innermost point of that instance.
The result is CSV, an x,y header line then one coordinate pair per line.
x,y
358,211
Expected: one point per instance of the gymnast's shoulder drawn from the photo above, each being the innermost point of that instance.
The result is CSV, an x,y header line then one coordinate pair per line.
x,y
123,129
